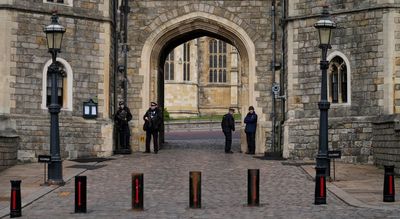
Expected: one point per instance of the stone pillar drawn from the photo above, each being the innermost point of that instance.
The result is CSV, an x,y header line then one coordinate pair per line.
x,y
234,77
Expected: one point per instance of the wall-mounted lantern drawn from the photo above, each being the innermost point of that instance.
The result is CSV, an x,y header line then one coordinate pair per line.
x,y
90,109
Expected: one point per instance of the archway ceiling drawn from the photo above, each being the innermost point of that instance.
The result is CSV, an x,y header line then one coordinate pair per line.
x,y
183,38
192,29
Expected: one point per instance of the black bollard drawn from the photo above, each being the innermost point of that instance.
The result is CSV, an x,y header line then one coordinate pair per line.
x,y
253,187
388,185
320,186
137,191
195,189
15,200
80,194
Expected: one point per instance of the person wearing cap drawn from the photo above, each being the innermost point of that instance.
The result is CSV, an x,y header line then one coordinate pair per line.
x,y
250,130
122,118
152,124
228,125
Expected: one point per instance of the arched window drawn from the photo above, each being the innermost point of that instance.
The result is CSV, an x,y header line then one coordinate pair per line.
x,y
186,61
169,67
338,81
60,86
217,65
64,85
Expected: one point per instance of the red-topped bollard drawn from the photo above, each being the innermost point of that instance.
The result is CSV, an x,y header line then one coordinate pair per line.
x,y
137,191
388,185
320,186
195,189
15,199
80,194
253,187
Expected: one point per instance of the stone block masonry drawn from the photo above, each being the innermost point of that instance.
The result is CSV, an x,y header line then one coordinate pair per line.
x,y
9,142
8,151
353,136
386,141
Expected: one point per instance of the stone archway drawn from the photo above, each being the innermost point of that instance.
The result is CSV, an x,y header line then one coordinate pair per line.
x,y
177,30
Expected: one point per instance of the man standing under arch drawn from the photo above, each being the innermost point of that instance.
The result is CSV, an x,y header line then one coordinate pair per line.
x,y
228,125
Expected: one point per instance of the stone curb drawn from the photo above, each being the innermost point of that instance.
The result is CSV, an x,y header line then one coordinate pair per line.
x,y
347,198
41,192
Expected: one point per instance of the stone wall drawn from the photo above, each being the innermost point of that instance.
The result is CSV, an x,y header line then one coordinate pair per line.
x,y
352,136
86,48
8,151
365,39
155,25
386,141
9,141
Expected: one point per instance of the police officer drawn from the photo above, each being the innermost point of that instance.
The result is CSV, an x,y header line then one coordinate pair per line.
x,y
122,118
152,124
228,125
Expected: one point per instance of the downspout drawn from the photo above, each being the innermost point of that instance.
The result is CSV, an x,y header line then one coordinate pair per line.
x,y
125,48
115,69
282,92
273,113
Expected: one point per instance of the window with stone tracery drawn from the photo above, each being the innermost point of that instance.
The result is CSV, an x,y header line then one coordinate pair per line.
x,y
64,85
217,61
169,67
61,80
338,79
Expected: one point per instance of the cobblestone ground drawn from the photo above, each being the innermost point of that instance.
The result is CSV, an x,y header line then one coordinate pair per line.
x,y
285,191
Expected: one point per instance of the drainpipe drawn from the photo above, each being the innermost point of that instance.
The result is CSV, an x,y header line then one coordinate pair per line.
x,y
115,38
283,68
273,113
125,9
115,70
283,61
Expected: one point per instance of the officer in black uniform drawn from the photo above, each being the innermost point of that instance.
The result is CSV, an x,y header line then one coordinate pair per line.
x,y
152,124
122,118
228,125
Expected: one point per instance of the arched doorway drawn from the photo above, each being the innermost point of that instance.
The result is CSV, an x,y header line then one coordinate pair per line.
x,y
187,27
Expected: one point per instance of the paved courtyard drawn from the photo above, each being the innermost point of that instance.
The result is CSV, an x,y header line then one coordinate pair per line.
x,y
285,191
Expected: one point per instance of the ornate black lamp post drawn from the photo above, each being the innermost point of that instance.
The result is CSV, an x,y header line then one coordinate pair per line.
x,y
54,34
324,27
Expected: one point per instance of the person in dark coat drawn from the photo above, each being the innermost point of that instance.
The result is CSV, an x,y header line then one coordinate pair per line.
x,y
122,118
152,124
228,125
250,130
